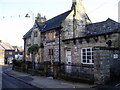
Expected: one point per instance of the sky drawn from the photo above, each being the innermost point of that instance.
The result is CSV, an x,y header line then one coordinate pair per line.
x,y
13,24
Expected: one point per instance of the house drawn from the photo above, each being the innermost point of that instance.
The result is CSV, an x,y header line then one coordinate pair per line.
x,y
33,36
18,53
71,38
50,30
7,53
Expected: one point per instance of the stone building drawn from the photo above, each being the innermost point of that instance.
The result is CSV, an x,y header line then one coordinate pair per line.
x,y
33,36
71,38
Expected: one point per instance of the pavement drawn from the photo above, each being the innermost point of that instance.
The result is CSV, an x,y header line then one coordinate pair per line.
x,y
44,82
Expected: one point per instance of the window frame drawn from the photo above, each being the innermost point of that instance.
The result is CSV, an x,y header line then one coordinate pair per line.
x,y
35,34
91,60
51,35
50,52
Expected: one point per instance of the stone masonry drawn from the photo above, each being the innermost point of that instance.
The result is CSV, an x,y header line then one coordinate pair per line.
x,y
101,66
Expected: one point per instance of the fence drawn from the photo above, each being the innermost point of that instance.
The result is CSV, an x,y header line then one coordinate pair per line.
x,y
78,71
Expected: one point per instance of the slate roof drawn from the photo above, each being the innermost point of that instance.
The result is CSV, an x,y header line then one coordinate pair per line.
x,y
28,33
55,22
108,26
50,24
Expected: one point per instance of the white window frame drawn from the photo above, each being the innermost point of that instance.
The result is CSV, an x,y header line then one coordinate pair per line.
x,y
86,55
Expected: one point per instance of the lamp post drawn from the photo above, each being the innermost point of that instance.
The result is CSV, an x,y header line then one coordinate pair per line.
x,y
33,65
24,50
33,53
31,15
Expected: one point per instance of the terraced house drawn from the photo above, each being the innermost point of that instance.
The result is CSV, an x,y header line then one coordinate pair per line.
x,y
71,38
7,53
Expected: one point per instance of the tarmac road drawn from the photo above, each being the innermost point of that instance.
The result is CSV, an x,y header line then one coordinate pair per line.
x,y
9,82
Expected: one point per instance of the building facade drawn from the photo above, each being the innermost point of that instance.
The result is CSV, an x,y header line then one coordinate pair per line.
x,y
7,53
71,37
18,52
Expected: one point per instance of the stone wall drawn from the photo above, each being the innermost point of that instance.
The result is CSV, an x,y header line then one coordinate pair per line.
x,y
2,57
106,64
101,66
51,44
115,64
75,45
85,72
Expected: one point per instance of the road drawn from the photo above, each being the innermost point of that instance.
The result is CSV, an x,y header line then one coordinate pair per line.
x,y
9,82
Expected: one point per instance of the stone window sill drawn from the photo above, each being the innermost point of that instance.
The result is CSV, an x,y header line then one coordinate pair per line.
x,y
52,40
87,65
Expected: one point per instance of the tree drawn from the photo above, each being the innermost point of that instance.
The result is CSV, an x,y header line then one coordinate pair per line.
x,y
33,50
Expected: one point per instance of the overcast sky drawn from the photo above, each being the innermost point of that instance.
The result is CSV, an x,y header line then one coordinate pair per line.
x,y
13,24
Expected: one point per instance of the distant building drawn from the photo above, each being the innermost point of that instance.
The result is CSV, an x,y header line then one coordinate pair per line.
x,y
18,53
7,53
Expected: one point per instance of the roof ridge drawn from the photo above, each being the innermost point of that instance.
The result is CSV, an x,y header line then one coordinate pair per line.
x,y
56,21
58,15
48,25
2,46
104,21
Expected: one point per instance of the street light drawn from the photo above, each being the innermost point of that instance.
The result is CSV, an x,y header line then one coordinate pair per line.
x,y
31,14
28,16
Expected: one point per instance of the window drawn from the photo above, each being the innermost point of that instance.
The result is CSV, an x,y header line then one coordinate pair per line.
x,y
51,35
68,56
10,53
115,56
87,55
35,34
51,55
28,41
50,51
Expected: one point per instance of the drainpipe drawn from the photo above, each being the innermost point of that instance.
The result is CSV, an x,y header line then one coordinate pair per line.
x,y
60,48
74,27
24,49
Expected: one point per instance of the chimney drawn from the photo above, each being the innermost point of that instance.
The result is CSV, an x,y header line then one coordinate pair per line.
x,y
80,18
40,19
